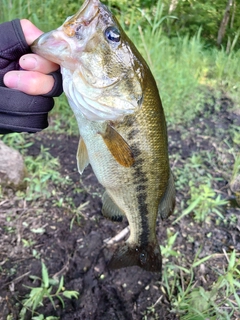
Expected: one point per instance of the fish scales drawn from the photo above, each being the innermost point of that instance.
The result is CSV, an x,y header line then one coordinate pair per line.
x,y
121,122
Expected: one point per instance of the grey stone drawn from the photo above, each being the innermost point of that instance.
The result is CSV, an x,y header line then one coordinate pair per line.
x,y
12,168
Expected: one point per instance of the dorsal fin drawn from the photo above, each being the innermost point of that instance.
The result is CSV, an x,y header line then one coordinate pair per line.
x,y
118,147
82,156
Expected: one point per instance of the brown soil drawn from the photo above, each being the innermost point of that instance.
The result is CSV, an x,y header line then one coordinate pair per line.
x,y
79,253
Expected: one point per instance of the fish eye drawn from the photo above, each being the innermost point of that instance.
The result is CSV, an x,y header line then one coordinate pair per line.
x,y
112,34
143,257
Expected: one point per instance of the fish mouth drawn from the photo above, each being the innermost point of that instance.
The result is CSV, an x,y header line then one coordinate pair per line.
x,y
50,45
58,45
85,15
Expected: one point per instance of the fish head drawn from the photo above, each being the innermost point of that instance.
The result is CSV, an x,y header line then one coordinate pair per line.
x,y
102,70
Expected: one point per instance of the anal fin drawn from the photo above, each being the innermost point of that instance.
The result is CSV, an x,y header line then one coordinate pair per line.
x,y
118,147
110,209
82,156
167,203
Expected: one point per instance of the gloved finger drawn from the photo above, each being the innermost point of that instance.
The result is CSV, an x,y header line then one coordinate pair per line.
x,y
23,123
17,102
13,46
20,112
13,42
57,89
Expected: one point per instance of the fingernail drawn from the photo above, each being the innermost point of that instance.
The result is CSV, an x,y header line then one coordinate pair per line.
x,y
11,80
28,63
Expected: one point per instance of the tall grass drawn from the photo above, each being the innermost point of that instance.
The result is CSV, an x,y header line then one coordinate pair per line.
x,y
183,67
46,14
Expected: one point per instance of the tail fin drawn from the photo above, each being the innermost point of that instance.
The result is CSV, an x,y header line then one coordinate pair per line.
x,y
147,257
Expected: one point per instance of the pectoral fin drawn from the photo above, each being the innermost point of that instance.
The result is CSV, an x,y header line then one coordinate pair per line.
x,y
167,203
118,147
82,156
110,209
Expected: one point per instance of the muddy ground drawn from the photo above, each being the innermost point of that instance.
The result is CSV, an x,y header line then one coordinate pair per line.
x,y
80,254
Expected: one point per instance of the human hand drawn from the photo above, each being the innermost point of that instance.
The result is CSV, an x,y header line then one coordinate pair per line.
x,y
36,80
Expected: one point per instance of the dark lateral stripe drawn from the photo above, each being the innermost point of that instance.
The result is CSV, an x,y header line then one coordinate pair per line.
x,y
141,188
133,133
139,162
142,206
135,149
140,181
129,121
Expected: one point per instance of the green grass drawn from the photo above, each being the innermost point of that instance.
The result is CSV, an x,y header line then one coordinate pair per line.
x,y
185,70
194,302
50,288
42,170
46,14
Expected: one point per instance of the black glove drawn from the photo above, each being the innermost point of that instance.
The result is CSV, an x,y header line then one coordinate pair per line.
x,y
20,112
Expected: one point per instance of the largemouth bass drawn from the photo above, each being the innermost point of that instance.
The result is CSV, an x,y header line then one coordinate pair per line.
x,y
121,122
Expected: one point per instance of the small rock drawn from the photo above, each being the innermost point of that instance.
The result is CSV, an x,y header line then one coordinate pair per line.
x,y
12,168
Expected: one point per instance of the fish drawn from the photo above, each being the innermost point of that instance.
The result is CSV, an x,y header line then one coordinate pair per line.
x,y
123,132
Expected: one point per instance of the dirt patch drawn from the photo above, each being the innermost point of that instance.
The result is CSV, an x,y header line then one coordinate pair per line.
x,y
79,253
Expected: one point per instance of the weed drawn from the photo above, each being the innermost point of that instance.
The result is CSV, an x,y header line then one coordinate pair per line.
x,y
195,180
41,317
77,214
167,250
17,141
37,295
203,203
42,170
28,243
220,301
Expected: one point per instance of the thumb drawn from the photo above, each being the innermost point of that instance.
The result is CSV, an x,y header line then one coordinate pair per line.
x,y
31,32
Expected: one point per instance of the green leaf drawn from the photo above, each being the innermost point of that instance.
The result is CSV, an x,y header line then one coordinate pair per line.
x,y
237,299
53,282
51,299
232,260
188,210
197,263
34,278
38,230
61,283
39,317
35,291
38,299
61,300
45,278
71,294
